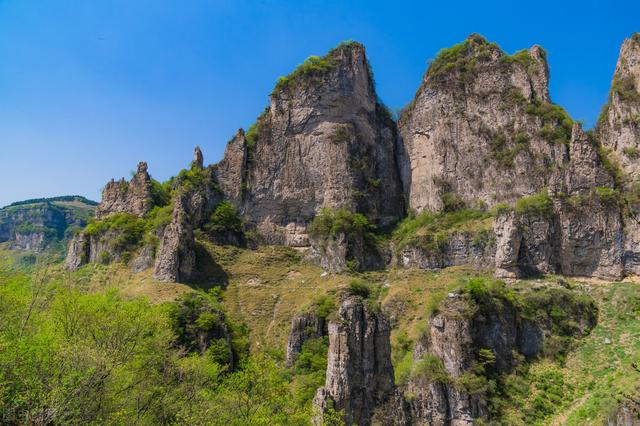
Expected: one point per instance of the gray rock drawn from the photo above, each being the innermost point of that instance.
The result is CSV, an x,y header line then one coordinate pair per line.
x,y
359,370
133,197
304,326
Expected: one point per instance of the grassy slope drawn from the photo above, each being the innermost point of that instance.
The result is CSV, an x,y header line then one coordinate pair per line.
x,y
266,287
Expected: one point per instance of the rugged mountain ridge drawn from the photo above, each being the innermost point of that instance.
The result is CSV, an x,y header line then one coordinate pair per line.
x,y
325,142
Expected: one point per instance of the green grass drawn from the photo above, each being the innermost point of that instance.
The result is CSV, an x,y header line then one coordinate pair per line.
x,y
431,230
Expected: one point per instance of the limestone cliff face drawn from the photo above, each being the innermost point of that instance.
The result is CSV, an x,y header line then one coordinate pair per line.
x,y
619,125
230,173
579,232
324,141
480,128
175,260
359,370
133,197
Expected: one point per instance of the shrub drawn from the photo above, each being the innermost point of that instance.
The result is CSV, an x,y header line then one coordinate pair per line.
x,y
431,230
608,195
313,66
556,122
430,368
129,230
340,135
358,288
625,87
323,306
330,223
452,202
225,218
631,152
538,204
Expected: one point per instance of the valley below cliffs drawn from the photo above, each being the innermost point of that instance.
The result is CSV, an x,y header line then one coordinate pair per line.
x,y
472,259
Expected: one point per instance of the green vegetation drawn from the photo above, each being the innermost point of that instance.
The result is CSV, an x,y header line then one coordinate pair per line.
x,y
64,198
430,231
69,356
461,60
625,87
503,153
225,218
340,135
329,223
539,204
631,152
557,124
312,67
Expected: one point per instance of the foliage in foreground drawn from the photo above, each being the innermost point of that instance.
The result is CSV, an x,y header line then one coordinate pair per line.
x,y
69,357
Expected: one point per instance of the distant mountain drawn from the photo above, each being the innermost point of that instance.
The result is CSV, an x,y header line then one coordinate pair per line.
x,y
44,223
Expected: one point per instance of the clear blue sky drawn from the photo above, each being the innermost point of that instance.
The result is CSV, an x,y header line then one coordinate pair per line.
x,y
89,88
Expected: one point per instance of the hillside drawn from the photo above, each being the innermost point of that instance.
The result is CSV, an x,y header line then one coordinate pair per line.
x,y
44,224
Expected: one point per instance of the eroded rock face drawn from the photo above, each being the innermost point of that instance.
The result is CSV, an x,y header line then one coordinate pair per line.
x,y
176,258
456,334
304,326
359,370
460,249
133,197
324,141
474,128
619,125
230,172
581,232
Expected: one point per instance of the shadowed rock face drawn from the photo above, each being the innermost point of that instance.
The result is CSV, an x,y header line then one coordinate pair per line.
x,y
324,141
133,197
473,129
359,370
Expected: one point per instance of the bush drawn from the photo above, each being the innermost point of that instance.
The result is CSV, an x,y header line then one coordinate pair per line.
x,y
631,152
625,87
358,288
323,306
430,368
557,124
330,223
313,66
538,204
225,218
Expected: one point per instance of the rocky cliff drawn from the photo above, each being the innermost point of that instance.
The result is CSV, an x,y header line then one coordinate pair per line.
x,y
481,128
619,123
359,371
326,167
133,197
324,141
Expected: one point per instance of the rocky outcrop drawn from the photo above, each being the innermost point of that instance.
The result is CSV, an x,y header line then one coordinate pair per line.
x,y
304,326
133,197
465,329
460,248
627,414
324,141
359,370
230,172
481,128
619,123
175,260
576,230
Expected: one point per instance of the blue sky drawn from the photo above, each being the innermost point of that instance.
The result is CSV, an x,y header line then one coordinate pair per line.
x,y
89,88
